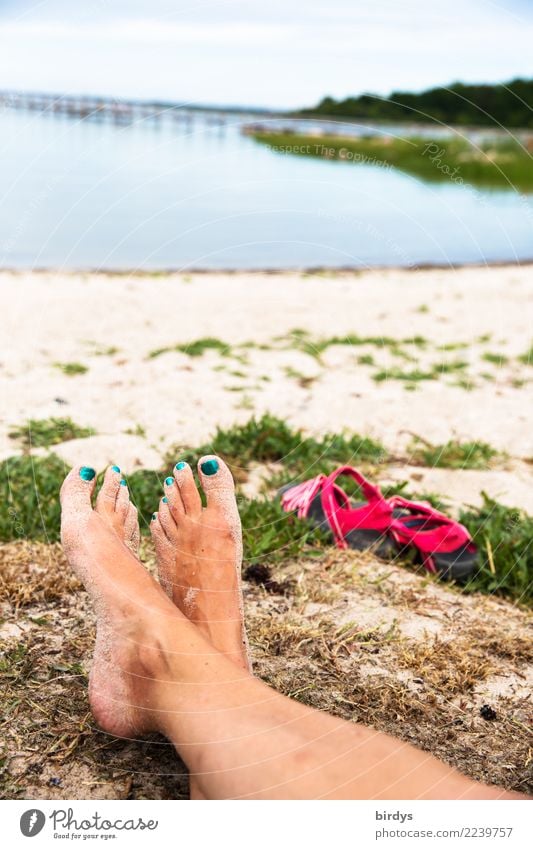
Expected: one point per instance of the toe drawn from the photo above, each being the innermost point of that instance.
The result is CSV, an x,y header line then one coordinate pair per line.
x,y
173,499
77,490
188,490
132,533
164,551
217,483
122,503
107,497
166,519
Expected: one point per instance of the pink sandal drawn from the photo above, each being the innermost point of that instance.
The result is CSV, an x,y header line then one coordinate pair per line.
x,y
361,525
445,546
386,525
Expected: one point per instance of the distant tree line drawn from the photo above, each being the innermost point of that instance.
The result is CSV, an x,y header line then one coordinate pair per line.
x,y
509,104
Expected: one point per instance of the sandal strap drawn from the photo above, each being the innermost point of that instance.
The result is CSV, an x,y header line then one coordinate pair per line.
x,y
429,530
375,514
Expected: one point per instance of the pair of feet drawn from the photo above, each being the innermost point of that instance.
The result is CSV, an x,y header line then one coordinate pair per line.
x,y
199,554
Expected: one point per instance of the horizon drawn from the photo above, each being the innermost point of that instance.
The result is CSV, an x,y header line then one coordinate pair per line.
x,y
243,107
246,56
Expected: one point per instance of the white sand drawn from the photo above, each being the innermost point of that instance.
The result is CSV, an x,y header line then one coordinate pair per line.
x,y
178,400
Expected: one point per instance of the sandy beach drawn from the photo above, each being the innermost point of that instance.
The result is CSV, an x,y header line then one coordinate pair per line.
x,y
438,354
156,363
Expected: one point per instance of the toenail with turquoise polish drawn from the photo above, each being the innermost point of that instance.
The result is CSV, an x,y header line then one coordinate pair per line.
x,y
123,482
86,473
169,481
154,517
115,469
210,467
165,500
181,465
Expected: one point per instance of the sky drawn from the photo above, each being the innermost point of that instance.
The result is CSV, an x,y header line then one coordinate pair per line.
x,y
272,53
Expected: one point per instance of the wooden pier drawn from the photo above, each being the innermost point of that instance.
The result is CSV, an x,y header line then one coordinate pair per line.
x,y
120,111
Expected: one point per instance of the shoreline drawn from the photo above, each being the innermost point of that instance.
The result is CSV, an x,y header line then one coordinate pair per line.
x,y
271,271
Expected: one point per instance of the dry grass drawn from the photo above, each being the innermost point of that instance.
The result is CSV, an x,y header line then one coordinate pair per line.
x,y
365,641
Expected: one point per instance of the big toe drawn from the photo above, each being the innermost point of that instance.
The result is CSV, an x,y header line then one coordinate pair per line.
x,y
217,483
77,489
76,494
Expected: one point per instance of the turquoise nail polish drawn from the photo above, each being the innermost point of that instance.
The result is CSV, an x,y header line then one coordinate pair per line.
x,y
123,482
181,465
210,467
86,473
165,500
169,481
154,517
115,469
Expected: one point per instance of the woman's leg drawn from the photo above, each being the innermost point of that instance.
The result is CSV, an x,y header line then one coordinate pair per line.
x,y
154,670
199,558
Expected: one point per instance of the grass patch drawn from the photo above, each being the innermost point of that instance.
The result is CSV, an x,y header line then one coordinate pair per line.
x,y
270,440
453,454
450,368
301,340
417,375
527,358
29,492
194,349
503,536
303,380
413,376
502,164
40,433
495,359
110,351
71,369
138,430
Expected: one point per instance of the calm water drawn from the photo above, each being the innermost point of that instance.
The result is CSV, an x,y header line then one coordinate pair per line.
x,y
156,195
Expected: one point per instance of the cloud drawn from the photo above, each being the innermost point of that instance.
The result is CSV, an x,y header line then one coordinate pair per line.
x,y
276,53
150,31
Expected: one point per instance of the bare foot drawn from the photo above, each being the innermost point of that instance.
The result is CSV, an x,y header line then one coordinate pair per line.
x,y
128,602
199,554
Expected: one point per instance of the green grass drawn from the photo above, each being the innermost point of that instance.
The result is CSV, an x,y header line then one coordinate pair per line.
x,y
412,376
138,430
452,346
450,368
303,380
40,433
495,358
417,375
71,369
503,536
195,348
301,340
527,358
271,440
498,164
29,493
110,351
464,383
453,455
29,503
